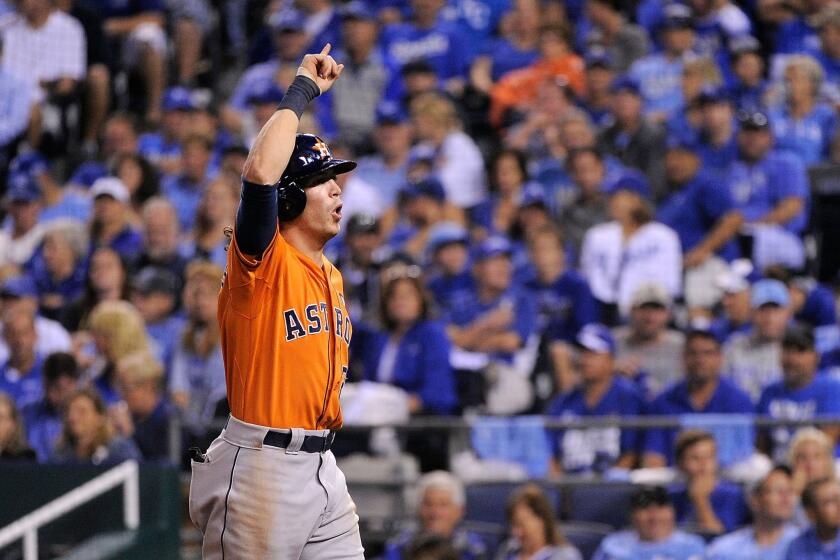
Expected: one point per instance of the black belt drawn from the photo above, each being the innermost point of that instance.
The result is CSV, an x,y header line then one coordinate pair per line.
x,y
311,444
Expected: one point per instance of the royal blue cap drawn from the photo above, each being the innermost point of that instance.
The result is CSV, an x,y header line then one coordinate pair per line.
x,y
32,163
596,337
744,44
429,187
494,246
178,98
19,286
266,91
87,173
22,187
769,292
625,84
390,112
629,180
287,19
713,94
533,194
446,233
357,10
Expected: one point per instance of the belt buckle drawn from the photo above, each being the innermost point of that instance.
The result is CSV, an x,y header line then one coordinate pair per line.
x,y
328,439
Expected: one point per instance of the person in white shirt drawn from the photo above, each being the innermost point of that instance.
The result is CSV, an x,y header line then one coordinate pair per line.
x,y
631,250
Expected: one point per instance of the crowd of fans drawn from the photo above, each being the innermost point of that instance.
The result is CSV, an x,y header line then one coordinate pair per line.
x,y
572,208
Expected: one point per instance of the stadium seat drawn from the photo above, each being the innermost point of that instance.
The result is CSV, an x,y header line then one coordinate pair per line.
x,y
585,536
487,501
598,502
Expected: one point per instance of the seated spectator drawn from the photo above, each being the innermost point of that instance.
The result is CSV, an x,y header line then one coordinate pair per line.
x,y
601,393
163,148
362,238
59,268
155,295
635,141
771,500
184,189
703,391
216,210
703,501
589,208
106,280
508,175
771,190
411,350
117,330
197,381
57,201
13,445
802,125
820,540
20,291
422,205
654,534
139,177
146,415
496,326
811,457
802,393
649,352
718,138
600,76
450,278
631,250
565,302
458,162
161,238
439,512
659,74
23,204
43,418
625,42
753,357
534,530
119,136
88,437
748,83
827,23
20,375
734,300
110,224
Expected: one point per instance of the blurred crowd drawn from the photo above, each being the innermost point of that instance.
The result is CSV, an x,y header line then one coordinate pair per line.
x,y
574,208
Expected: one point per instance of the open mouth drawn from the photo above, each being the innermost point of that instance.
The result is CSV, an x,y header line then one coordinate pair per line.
x,y
337,212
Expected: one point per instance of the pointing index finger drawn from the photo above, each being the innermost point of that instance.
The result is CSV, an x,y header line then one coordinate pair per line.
x,y
326,50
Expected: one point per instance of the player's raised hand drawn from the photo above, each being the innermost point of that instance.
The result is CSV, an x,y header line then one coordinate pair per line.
x,y
321,68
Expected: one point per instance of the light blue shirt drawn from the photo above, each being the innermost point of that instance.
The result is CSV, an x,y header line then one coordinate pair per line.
x,y
808,547
660,80
740,545
388,182
16,98
625,545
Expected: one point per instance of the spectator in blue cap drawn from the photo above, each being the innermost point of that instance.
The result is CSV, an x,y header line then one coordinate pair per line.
x,y
770,187
23,203
718,146
451,279
163,148
803,392
660,74
599,77
600,392
626,42
496,324
753,357
803,125
748,83
58,202
422,204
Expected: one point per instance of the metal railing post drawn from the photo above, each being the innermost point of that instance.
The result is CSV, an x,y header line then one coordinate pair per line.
x,y
30,544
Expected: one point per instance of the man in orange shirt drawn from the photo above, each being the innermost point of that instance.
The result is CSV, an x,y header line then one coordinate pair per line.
x,y
268,486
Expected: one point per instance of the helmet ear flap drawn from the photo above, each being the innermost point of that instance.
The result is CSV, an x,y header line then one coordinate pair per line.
x,y
291,200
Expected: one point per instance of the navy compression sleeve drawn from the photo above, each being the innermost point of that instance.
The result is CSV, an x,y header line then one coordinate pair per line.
x,y
256,219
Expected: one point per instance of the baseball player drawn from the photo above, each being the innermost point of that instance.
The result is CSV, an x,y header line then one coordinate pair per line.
x,y
268,486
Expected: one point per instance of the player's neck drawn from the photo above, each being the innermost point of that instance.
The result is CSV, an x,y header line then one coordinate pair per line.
x,y
304,244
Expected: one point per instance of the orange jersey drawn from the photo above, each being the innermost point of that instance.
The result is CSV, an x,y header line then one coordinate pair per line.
x,y
285,335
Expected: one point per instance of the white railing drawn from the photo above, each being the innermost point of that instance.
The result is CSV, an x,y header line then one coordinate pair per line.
x,y
26,527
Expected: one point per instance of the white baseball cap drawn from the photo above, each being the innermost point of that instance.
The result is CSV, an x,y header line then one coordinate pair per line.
x,y
110,186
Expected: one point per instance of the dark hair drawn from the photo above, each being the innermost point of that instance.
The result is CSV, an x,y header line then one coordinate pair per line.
x,y
427,546
149,185
647,496
388,291
90,298
701,333
532,497
104,434
199,139
809,495
58,365
688,439
521,163
759,486
574,154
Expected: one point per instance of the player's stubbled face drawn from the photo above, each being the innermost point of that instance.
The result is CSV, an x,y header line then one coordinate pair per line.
x,y
322,215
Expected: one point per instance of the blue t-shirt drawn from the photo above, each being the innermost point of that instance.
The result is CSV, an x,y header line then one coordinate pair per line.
x,y
821,397
797,36
166,336
819,312
469,545
23,387
476,19
185,196
507,57
43,427
128,243
660,80
741,545
452,291
808,137
594,449
727,399
625,545
808,546
758,188
727,501
154,147
718,159
695,209
748,98
565,306
441,46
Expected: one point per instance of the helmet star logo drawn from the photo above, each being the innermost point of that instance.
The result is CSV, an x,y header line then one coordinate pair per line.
x,y
322,148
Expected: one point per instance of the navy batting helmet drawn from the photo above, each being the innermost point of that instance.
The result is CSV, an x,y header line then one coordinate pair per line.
x,y
310,164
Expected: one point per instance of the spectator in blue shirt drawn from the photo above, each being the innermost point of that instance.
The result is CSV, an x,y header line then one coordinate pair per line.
x,y
163,148
451,282
772,499
20,376
508,176
803,125
43,418
828,24
747,83
58,268
599,77
821,541
601,393
702,391
801,394
515,48
216,211
736,316
703,500
184,190
161,238
58,201
654,534
155,295
718,146
111,224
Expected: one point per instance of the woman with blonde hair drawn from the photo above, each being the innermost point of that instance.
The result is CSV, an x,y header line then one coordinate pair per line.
x,y
198,373
88,437
810,457
13,444
117,330
533,529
